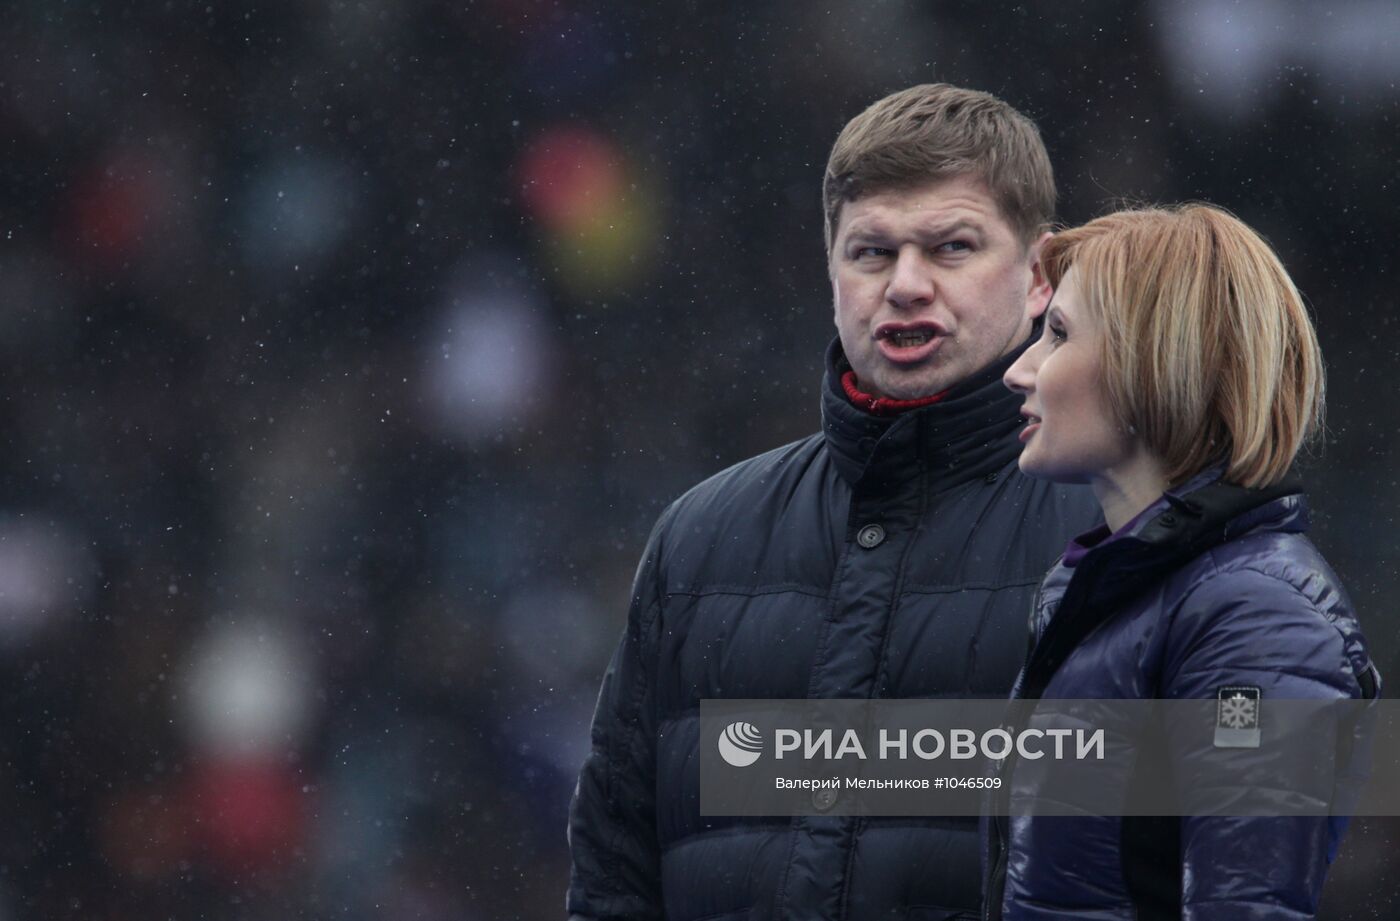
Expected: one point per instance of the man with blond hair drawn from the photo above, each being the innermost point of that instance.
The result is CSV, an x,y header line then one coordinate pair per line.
x,y
892,555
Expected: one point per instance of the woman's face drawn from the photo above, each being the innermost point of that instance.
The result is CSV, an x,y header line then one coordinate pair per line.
x,y
1071,435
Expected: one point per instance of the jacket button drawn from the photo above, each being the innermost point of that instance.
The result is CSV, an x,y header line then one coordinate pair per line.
x,y
823,799
870,536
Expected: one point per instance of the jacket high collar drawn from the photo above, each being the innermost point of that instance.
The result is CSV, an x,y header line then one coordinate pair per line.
x,y
1181,525
970,433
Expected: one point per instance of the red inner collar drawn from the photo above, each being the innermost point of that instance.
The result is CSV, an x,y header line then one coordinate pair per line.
x,y
882,406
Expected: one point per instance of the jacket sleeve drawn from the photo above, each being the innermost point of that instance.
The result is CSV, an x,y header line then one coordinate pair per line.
x,y
1252,630
616,867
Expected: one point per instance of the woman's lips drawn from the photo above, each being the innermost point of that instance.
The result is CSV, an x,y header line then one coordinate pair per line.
x,y
1028,431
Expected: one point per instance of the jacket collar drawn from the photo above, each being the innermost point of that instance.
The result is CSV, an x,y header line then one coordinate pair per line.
x,y
1202,513
969,433
1184,523
1233,508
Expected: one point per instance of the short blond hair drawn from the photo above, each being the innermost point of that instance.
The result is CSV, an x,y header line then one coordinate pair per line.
x,y
1208,352
933,132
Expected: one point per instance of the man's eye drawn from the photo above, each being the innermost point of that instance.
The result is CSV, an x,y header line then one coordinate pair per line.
x,y
954,246
875,252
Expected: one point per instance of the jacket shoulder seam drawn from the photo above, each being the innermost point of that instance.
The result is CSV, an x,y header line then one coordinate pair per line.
x,y
1218,571
1211,559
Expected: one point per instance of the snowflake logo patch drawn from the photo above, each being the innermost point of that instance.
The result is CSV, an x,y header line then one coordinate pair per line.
x,y
1237,717
1237,712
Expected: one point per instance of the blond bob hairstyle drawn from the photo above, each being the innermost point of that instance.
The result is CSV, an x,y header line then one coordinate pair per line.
x,y
1208,351
935,131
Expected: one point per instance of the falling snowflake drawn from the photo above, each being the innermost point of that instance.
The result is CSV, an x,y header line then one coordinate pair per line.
x,y
1237,712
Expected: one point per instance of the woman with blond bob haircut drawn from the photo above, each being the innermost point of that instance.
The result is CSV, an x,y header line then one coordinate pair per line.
x,y
1178,375
1207,348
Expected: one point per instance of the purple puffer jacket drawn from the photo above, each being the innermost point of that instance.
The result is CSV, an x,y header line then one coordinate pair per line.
x,y
1212,587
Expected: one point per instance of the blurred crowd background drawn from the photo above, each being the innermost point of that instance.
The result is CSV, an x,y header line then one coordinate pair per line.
x,y
350,347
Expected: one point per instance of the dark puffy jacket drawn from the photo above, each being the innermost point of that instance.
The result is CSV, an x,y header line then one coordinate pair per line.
x,y
884,557
1212,588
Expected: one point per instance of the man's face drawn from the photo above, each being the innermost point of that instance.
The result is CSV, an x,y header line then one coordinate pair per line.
x,y
931,284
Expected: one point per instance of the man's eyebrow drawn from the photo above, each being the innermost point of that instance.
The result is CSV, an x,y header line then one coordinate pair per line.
x,y
873,229
866,229
957,226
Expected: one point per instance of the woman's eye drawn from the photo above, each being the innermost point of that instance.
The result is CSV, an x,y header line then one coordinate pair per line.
x,y
1057,333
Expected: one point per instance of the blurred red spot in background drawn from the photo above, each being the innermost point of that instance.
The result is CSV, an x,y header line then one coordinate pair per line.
x,y
112,206
250,814
569,176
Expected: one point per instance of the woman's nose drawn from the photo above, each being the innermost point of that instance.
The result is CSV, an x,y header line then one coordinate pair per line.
x,y
1020,377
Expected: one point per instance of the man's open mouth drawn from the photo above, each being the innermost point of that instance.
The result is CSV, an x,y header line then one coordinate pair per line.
x,y
905,340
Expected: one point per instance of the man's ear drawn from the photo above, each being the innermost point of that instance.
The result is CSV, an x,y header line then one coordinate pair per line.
x,y
1038,295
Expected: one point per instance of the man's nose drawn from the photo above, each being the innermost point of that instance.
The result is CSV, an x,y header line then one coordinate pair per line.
x,y
911,284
